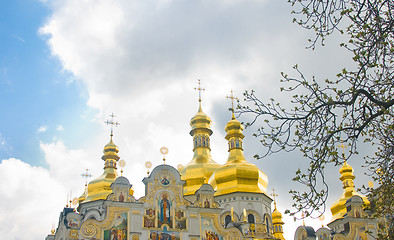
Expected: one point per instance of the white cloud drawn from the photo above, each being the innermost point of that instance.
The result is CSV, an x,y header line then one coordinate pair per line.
x,y
27,195
60,128
42,129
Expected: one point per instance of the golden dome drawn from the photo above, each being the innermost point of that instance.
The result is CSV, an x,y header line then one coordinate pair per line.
x,y
100,187
276,217
237,175
277,223
338,208
198,171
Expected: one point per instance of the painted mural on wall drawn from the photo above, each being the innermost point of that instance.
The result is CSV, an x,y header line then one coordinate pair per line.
x,y
118,231
207,231
149,218
180,220
164,212
164,235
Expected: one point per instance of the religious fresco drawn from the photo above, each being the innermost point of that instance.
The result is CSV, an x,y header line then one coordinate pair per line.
x,y
206,203
164,235
165,180
164,212
180,220
121,197
207,231
73,222
118,231
149,218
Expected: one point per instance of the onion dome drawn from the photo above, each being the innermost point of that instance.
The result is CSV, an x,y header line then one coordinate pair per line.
x,y
201,167
338,209
277,222
100,187
237,174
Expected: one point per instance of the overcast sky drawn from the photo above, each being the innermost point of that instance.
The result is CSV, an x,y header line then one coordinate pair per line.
x,y
65,66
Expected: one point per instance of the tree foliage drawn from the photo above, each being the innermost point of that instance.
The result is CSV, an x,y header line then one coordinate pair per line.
x,y
355,106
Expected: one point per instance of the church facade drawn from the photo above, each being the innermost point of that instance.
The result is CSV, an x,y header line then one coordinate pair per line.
x,y
200,201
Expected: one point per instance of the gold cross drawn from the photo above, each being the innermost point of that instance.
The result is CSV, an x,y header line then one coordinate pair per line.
x,y
343,146
112,123
86,175
274,195
232,101
199,89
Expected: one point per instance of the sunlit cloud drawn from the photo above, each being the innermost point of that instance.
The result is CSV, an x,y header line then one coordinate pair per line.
x,y
42,129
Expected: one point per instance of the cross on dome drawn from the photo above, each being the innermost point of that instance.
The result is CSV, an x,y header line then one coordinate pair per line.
x,y
232,101
199,89
112,123
274,195
86,175
343,146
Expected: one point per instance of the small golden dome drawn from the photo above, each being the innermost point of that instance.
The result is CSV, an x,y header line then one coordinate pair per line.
x,y
338,208
277,223
100,187
200,121
276,217
201,167
237,175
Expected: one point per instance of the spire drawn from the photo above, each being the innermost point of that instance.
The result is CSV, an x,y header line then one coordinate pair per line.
x,y
202,165
277,221
201,131
100,188
234,136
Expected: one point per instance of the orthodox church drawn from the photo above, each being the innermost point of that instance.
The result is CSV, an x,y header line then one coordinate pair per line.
x,y
203,200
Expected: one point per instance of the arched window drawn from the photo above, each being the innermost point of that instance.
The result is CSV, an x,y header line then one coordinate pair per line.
x,y
267,224
203,141
199,140
195,142
237,143
227,220
232,143
250,218
207,141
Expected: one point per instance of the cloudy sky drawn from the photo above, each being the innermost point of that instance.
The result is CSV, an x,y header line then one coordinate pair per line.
x,y
66,65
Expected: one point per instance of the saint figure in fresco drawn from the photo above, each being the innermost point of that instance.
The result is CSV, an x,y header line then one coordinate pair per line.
x,y
165,181
165,209
206,203
121,197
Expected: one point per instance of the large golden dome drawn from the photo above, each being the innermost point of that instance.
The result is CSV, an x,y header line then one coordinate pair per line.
x,y
201,167
237,175
338,209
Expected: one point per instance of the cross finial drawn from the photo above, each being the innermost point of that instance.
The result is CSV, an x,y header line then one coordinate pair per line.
x,y
274,195
86,175
343,146
232,101
199,89
112,123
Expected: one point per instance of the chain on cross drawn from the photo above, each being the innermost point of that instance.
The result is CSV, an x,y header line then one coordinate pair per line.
x,y
199,89
112,123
